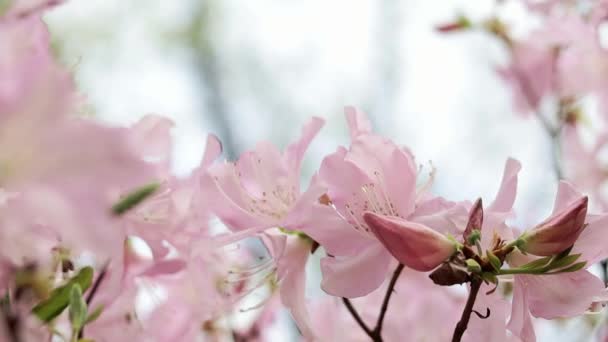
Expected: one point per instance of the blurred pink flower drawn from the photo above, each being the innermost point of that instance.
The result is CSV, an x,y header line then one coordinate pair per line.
x,y
261,189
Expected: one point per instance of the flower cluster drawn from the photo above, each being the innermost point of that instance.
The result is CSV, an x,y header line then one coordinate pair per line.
x,y
99,241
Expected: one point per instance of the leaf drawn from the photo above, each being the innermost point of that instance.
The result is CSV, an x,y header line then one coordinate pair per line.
x,y
494,261
134,198
473,266
59,298
538,263
562,262
489,277
564,253
450,273
77,308
94,315
573,268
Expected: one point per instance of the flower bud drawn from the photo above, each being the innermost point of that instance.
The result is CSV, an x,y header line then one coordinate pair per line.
x,y
412,244
460,24
558,232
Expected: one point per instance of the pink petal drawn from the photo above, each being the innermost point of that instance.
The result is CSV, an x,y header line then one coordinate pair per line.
x,y
342,178
213,149
151,135
390,168
324,225
358,123
592,241
508,188
355,275
561,295
566,194
293,284
295,152
520,323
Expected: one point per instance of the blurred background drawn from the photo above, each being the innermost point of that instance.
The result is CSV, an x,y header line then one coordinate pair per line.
x,y
253,70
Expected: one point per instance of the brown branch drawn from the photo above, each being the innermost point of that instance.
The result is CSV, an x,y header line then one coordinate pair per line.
x,y
387,297
357,318
376,334
468,310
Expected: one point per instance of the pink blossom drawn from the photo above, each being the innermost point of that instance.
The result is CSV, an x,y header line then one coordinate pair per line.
x,y
291,276
582,164
374,175
261,189
564,294
20,9
558,232
412,244
530,74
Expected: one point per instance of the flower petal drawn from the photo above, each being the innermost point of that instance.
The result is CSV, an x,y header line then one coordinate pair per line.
x,y
356,275
508,188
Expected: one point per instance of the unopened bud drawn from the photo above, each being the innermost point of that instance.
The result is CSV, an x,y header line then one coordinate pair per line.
x,y
414,245
462,23
558,232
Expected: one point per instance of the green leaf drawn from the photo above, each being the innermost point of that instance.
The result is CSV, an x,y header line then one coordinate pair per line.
x,y
59,299
562,262
494,261
489,277
5,5
573,268
538,263
134,198
473,237
94,315
77,309
473,266
564,253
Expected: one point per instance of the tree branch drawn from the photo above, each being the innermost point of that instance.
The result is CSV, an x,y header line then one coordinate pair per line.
x,y
387,298
376,334
357,318
468,310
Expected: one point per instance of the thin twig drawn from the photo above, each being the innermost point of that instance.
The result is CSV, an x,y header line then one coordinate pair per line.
x,y
376,333
466,313
357,318
387,297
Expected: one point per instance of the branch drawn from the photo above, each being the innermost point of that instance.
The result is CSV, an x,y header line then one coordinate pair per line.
x,y
357,318
376,334
387,297
468,310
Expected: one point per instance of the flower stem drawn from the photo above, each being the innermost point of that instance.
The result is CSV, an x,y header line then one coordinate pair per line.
x,y
356,316
387,298
468,310
376,334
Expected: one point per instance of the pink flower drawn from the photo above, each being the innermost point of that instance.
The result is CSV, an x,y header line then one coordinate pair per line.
x,y
261,189
565,294
412,244
19,9
374,175
558,232
582,164
291,276
530,75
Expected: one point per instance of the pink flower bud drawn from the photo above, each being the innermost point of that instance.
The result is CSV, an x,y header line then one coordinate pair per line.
x,y
461,24
412,244
558,232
